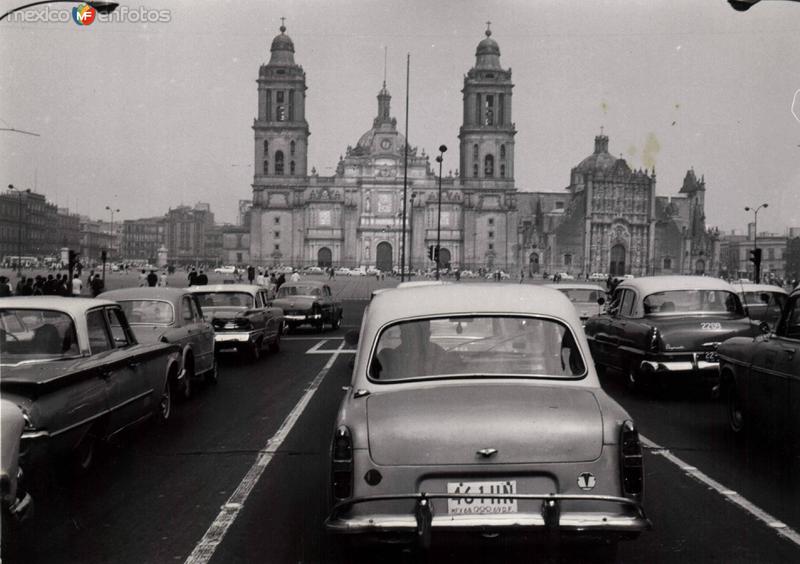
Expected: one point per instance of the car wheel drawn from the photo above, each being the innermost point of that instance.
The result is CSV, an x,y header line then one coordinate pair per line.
x,y
255,351
319,325
736,413
85,454
188,376
212,375
165,402
275,345
337,322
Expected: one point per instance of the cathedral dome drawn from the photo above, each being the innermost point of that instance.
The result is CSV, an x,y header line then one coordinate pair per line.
x,y
282,49
487,55
599,160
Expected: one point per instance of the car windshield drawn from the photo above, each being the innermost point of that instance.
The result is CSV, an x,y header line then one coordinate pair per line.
x,y
692,301
486,346
581,294
772,299
36,334
225,299
286,291
150,312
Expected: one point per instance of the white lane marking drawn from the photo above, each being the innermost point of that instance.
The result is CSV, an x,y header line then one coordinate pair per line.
x,y
310,338
781,528
205,549
316,347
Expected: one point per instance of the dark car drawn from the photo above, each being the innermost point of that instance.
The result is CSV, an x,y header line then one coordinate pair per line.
x,y
309,303
17,505
242,316
659,329
761,376
171,315
763,302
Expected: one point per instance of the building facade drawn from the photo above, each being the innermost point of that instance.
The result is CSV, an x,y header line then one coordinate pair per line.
x,y
608,219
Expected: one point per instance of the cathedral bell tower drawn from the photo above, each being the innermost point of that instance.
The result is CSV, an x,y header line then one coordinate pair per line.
x,y
281,130
487,133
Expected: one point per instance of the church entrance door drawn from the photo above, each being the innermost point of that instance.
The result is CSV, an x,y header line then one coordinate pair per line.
x,y
617,266
534,264
324,257
383,257
700,267
444,258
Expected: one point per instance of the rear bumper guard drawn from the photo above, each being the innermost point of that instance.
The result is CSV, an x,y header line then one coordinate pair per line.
x,y
697,363
550,519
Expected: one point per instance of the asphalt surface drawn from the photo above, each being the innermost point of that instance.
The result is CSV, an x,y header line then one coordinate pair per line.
x,y
154,493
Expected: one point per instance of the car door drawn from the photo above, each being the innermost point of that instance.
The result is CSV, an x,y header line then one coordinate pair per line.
x,y
333,306
788,364
258,315
204,333
189,334
768,386
599,328
620,331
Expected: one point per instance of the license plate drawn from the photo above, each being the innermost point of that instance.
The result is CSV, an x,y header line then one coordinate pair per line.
x,y
712,357
480,505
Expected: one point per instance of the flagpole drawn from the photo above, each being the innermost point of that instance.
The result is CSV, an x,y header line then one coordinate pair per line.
x,y
405,177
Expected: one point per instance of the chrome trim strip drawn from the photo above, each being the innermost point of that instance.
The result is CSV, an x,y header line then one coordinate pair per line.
x,y
131,400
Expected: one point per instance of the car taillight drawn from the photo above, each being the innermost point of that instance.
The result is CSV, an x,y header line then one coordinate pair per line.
x,y
631,461
342,460
655,340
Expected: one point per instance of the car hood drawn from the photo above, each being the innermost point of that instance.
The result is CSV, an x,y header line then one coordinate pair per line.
x,y
449,424
295,302
700,332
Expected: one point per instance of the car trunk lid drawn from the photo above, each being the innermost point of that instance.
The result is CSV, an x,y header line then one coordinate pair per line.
x,y
701,332
450,424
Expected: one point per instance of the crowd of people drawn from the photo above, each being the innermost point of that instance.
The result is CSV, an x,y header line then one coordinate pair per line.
x,y
51,285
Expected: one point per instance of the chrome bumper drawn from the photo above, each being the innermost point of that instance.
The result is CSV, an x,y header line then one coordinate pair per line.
x,y
22,509
309,317
550,520
234,337
681,365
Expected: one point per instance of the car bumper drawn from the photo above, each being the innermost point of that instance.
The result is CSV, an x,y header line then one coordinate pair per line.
x,y
695,362
234,338
302,318
627,520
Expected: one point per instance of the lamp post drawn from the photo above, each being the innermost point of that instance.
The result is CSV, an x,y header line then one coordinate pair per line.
x,y
101,7
756,267
112,211
440,160
411,233
20,192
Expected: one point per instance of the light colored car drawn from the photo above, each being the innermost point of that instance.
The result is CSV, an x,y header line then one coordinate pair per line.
x,y
225,269
762,302
242,317
598,276
313,270
565,276
308,303
478,412
82,377
171,315
343,271
583,297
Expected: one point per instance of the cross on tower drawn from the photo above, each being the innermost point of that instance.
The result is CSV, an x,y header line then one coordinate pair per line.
x,y
601,130
283,24
488,30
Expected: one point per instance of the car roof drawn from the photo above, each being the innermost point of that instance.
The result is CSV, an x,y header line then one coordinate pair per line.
x,y
249,288
145,292
575,286
651,284
72,306
304,283
759,288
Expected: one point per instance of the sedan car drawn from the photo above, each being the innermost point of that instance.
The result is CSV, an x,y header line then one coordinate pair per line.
x,y
82,376
242,317
171,315
762,377
762,302
308,303
478,412
583,297
225,269
658,329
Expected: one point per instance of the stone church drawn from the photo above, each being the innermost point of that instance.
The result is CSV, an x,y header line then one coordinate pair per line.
x,y
607,220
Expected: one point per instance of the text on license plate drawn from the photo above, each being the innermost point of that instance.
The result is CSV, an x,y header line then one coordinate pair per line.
x,y
479,505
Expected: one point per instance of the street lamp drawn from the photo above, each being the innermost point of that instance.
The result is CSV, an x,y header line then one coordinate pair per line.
x,y
439,159
411,233
756,267
101,7
112,210
19,232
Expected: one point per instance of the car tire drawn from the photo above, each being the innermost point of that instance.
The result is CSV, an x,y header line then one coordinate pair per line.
x,y
85,454
212,375
254,351
188,376
164,409
737,419
319,325
337,322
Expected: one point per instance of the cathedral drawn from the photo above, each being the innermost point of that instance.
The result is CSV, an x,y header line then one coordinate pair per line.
x,y
607,220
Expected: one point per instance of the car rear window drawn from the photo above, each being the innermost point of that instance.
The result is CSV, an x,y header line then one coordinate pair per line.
x,y
34,334
286,291
225,299
693,301
476,346
148,312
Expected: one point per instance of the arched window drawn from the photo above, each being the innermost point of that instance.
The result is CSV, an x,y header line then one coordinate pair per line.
x,y
278,163
475,170
475,151
667,263
266,166
266,147
502,171
488,165
568,260
291,168
502,152
291,148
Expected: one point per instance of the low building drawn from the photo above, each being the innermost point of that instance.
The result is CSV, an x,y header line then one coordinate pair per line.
x,y
142,238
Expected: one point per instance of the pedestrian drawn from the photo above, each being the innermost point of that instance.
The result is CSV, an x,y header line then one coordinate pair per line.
x,y
65,286
34,287
280,282
295,276
193,277
20,286
152,279
162,280
251,273
260,278
5,287
330,272
201,279
143,278
77,286
97,285
521,276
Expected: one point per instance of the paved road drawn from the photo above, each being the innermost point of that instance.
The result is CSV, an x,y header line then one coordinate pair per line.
x,y
154,494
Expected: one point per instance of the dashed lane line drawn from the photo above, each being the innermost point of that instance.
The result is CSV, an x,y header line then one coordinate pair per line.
x,y
207,545
778,526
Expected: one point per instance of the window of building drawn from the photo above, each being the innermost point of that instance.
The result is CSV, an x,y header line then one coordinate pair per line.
x,y
291,148
488,116
567,259
238,257
278,163
475,151
502,152
502,171
268,111
280,110
277,246
477,108
771,254
491,246
491,234
475,170
291,168
491,221
266,147
277,221
667,263
291,105
501,110
488,166
266,167
279,96
559,205
277,234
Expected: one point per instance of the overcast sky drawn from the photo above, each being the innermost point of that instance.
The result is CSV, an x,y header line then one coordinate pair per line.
x,y
144,117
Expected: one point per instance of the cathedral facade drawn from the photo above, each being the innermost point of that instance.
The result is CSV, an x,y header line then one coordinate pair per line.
x,y
607,220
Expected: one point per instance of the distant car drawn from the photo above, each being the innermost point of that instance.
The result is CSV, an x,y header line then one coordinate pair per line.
x,y
16,503
242,317
309,303
478,412
372,271
171,315
313,270
225,269
761,377
762,302
583,297
503,275
343,271
598,276
658,329
81,378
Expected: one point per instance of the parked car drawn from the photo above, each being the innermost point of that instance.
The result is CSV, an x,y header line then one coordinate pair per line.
x,y
761,377
225,269
242,316
598,276
583,297
308,303
565,276
762,302
16,502
478,412
171,315
343,271
313,270
659,329
82,376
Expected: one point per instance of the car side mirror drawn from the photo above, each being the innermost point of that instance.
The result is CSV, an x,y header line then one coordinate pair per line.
x,y
351,337
601,300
